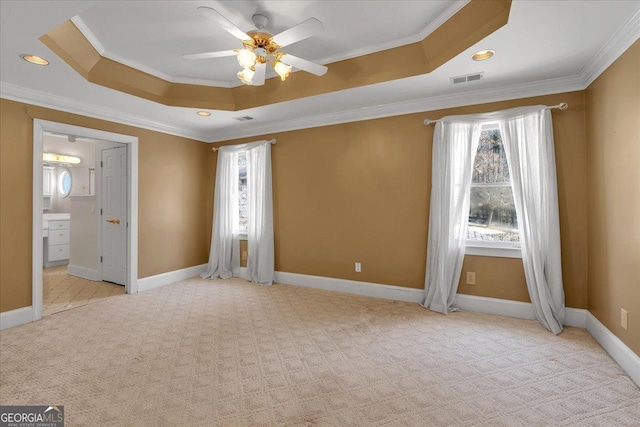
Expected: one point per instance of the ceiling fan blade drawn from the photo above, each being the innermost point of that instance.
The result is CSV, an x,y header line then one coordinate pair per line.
x,y
258,77
207,55
302,31
303,64
227,25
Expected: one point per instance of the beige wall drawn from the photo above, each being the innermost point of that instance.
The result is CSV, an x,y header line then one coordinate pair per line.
x,y
359,192
613,160
172,210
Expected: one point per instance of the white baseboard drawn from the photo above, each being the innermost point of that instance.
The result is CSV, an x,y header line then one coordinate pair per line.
x,y
575,317
83,272
623,355
241,272
151,282
19,316
56,263
397,293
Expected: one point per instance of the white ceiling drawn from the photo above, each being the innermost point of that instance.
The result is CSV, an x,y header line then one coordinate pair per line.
x,y
546,47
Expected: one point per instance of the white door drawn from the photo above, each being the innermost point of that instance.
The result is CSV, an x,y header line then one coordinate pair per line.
x,y
114,215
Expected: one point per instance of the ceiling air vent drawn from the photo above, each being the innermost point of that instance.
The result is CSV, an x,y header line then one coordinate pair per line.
x,y
243,118
467,78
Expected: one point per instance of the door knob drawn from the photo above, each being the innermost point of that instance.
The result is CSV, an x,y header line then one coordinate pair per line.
x,y
114,221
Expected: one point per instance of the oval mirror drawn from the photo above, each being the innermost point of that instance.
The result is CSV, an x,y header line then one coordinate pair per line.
x,y
64,182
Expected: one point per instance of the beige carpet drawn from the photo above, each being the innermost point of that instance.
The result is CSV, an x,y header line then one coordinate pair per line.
x,y
229,353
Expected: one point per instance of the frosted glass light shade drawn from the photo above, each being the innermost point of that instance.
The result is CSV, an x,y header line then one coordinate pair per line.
x,y
283,70
246,58
246,76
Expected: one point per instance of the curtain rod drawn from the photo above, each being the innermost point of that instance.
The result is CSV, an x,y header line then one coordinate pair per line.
x,y
271,141
561,106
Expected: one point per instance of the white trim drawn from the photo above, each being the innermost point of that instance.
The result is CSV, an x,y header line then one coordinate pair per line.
x,y
132,233
403,41
500,307
83,272
433,25
612,50
575,317
492,251
60,103
484,96
41,126
19,316
88,34
99,47
37,242
623,355
241,272
522,310
162,279
396,293
616,46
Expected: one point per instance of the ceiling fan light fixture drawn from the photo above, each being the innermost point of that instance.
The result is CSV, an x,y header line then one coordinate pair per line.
x,y
282,69
246,58
246,76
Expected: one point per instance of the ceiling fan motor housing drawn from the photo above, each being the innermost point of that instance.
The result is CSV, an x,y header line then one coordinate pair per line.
x,y
260,21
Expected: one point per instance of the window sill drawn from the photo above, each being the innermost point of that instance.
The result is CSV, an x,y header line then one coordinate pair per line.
x,y
241,235
493,251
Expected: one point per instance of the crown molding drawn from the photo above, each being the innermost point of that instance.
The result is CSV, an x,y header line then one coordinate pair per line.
x,y
431,27
612,50
624,37
483,96
88,34
46,100
99,47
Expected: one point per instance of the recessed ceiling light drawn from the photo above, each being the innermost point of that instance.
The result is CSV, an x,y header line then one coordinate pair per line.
x,y
34,59
203,113
481,55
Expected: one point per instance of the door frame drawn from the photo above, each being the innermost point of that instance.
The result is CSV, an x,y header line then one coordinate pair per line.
x,y
39,128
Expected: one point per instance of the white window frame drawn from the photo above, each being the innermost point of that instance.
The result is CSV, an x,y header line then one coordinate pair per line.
x,y
493,249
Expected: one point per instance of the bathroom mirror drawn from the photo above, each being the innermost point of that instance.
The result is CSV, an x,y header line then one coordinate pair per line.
x,y
65,182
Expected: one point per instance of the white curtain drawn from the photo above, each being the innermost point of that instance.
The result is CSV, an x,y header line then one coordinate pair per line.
x,y
528,144
454,150
260,263
224,201
527,135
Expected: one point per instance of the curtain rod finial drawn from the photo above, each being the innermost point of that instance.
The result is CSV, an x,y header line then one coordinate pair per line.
x,y
563,106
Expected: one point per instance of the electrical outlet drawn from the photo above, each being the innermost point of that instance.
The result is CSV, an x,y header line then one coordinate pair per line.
x,y
471,278
358,267
244,255
623,319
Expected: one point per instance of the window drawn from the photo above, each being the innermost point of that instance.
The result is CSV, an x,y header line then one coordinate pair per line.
x,y
64,182
493,223
243,196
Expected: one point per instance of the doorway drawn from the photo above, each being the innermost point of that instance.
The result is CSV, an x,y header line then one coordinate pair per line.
x,y
116,191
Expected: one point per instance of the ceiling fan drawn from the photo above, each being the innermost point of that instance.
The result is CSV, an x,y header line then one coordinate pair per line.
x,y
260,46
